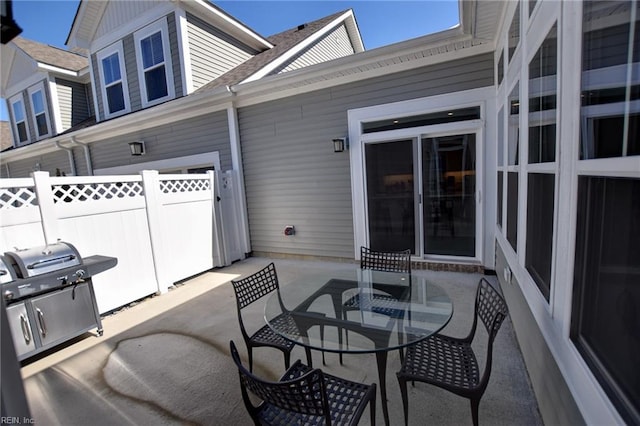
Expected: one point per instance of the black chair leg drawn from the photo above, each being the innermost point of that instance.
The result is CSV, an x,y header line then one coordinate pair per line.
x,y
287,360
322,343
372,407
309,359
250,352
475,404
405,400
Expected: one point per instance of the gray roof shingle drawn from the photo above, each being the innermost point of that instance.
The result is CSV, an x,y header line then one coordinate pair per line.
x,y
282,43
50,55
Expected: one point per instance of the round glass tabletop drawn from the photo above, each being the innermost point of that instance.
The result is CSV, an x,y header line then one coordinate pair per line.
x,y
358,311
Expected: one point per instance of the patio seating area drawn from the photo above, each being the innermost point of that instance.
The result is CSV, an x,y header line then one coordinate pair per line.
x,y
166,360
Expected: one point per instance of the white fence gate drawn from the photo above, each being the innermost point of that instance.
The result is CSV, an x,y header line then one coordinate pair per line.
x,y
162,228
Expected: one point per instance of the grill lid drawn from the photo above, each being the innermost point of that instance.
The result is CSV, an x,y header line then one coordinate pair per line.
x,y
6,272
36,261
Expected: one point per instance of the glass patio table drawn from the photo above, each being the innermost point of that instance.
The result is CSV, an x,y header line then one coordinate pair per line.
x,y
359,311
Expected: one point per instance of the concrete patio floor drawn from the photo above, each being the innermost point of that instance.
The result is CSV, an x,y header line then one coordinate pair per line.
x,y
165,361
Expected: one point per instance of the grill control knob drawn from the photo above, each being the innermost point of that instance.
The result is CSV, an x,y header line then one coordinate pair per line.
x,y
8,295
80,273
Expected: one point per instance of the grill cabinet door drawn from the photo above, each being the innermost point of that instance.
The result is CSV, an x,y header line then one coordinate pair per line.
x,y
64,314
20,329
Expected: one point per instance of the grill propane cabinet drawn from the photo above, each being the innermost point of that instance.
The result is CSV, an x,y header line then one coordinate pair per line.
x,y
49,295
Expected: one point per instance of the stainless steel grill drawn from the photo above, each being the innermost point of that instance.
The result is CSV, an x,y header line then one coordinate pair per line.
x,y
49,295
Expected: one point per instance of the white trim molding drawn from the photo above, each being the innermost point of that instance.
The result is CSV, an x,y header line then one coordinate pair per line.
x,y
159,26
116,48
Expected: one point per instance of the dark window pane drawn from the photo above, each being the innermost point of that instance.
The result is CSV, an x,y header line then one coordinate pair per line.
x,y
152,53
609,52
532,5
449,116
542,144
390,195
111,68
115,98
512,209
41,124
540,202
156,82
605,320
22,131
501,67
513,149
449,178
514,33
500,191
18,111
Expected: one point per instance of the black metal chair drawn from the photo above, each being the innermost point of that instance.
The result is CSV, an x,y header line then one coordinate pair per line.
x,y
249,290
304,396
450,363
399,261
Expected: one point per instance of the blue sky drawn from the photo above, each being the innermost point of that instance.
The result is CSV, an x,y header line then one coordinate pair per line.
x,y
380,22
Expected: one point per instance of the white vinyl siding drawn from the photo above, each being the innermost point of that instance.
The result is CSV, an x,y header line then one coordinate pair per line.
x,y
73,102
119,13
334,45
212,53
292,175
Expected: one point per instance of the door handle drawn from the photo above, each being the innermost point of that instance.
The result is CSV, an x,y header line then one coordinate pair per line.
x,y
41,324
26,334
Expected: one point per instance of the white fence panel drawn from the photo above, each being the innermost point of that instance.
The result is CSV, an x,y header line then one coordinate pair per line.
x,y
162,229
186,223
107,216
19,215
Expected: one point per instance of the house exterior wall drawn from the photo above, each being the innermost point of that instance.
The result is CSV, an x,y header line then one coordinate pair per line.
x,y
212,52
555,401
73,102
196,135
57,160
334,45
131,68
119,13
293,177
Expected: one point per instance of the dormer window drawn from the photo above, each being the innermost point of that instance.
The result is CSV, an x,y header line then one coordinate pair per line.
x,y
154,63
20,126
39,111
115,92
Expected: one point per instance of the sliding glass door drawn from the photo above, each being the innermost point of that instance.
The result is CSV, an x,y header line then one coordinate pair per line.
x,y
421,194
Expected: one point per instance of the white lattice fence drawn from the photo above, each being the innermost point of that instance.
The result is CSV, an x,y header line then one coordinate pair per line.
x,y
161,228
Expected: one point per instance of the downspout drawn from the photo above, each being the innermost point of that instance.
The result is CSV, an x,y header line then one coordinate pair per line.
x,y
87,154
72,161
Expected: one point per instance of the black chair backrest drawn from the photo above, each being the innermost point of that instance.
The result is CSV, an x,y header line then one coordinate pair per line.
x,y
255,286
399,261
305,394
490,308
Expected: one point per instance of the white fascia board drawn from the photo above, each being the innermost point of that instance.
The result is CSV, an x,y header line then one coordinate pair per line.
x,y
169,112
46,67
225,22
325,75
297,49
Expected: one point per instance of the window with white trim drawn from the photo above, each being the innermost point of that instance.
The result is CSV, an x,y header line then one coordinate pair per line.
x,y
20,125
39,111
114,88
154,63
605,319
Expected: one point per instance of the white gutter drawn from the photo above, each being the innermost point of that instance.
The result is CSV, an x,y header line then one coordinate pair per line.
x,y
63,71
72,161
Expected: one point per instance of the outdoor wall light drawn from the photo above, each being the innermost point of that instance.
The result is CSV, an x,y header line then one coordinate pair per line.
x,y
137,148
339,144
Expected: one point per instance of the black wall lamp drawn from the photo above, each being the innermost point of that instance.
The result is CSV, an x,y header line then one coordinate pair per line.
x,y
340,144
137,148
9,28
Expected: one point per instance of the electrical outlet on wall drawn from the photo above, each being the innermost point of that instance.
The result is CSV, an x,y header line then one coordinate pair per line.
x,y
289,230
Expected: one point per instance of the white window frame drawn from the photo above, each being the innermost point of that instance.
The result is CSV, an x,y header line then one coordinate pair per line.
x,y
158,26
13,100
32,91
104,53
